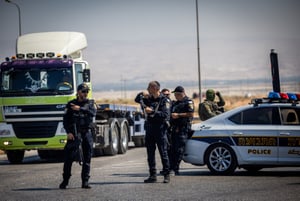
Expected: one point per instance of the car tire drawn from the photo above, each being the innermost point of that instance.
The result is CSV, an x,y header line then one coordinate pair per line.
x,y
220,159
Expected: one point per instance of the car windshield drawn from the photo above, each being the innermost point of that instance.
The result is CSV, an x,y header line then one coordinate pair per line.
x,y
36,81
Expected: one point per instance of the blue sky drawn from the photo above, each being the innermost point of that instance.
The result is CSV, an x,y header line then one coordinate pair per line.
x,y
142,40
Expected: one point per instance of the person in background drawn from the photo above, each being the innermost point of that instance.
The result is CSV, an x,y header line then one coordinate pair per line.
x,y
167,93
77,121
210,108
157,112
66,82
182,113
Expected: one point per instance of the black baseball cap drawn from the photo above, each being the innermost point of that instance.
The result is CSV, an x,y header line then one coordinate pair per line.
x,y
83,87
179,89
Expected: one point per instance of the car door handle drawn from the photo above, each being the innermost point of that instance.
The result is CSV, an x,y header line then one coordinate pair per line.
x,y
284,133
238,133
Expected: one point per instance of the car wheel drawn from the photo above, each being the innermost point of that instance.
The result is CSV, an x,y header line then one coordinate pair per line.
x,y
220,159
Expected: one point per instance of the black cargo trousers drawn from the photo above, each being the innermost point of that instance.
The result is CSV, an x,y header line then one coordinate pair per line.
x,y
179,138
156,134
87,149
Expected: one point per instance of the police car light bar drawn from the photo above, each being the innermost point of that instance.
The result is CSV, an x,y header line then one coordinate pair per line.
x,y
275,97
283,96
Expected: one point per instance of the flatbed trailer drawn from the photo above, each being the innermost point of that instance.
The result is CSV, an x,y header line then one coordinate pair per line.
x,y
117,127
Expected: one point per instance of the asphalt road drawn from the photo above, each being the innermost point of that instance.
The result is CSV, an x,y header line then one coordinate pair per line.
x,y
121,178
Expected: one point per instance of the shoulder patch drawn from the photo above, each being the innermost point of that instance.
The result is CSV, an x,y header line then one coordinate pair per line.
x,y
168,104
191,105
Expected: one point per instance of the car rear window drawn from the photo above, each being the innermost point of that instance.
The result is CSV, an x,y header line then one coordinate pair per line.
x,y
257,116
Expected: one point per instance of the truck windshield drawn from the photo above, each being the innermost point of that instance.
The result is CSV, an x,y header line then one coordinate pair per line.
x,y
20,81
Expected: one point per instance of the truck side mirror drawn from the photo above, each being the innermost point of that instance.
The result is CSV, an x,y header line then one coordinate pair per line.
x,y
86,75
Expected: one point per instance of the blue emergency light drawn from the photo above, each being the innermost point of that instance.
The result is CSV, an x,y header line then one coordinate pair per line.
x,y
292,96
274,95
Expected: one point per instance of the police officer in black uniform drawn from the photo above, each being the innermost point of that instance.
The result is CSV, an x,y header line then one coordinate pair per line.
x,y
182,112
77,122
157,112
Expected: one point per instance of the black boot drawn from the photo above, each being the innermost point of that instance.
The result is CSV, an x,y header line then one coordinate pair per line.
x,y
151,179
166,178
65,182
85,180
85,184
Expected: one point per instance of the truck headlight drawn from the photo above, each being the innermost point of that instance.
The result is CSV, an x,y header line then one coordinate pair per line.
x,y
63,141
7,143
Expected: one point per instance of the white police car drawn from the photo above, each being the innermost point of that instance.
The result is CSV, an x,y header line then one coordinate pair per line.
x,y
265,133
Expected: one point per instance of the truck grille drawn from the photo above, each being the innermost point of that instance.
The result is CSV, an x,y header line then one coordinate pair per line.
x,y
35,129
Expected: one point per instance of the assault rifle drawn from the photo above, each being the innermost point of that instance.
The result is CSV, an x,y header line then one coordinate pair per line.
x,y
143,106
77,154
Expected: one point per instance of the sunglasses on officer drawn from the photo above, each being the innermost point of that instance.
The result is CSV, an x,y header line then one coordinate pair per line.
x,y
84,91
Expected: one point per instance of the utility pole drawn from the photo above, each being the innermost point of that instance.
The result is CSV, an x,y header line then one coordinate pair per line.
x,y
19,12
275,71
124,89
198,51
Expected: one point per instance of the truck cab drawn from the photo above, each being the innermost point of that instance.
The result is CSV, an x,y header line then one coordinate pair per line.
x,y
36,84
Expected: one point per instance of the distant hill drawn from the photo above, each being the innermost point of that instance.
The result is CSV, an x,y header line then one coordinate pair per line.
x,y
243,84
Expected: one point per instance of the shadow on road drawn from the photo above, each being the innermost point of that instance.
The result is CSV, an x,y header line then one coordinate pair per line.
x,y
32,160
131,175
35,189
116,182
272,172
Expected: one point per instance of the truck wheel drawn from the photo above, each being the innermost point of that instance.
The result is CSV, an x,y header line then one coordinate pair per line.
x,y
15,156
112,148
98,152
123,143
51,154
43,154
139,141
